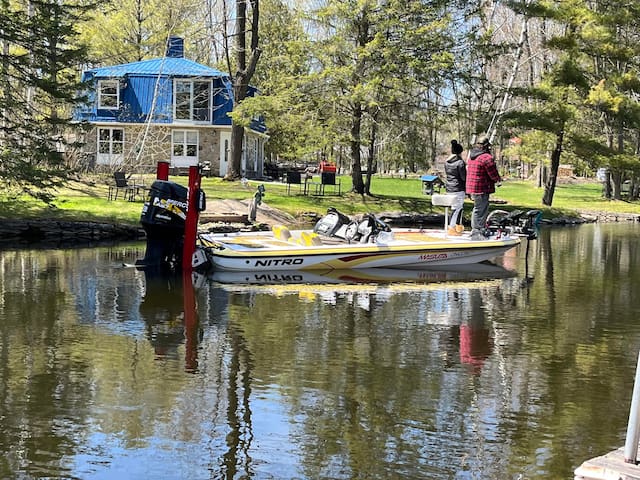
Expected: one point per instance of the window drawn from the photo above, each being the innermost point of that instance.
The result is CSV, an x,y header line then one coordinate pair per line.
x,y
193,100
184,148
110,146
109,94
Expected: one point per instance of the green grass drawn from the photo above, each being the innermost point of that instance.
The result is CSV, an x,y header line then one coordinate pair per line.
x,y
87,199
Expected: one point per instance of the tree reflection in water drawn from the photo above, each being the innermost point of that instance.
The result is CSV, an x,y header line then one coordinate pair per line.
x,y
111,371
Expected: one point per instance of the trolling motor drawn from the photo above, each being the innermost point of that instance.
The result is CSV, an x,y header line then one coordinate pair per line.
x,y
517,223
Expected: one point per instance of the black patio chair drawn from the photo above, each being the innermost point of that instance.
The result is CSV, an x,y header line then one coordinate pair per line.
x,y
293,178
329,179
121,183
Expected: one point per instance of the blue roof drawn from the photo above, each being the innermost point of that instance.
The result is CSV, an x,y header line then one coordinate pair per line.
x,y
157,66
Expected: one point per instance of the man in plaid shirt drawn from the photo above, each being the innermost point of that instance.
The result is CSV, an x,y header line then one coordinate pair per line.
x,y
482,175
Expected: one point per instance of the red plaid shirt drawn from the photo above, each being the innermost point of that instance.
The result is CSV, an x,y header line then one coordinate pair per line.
x,y
482,173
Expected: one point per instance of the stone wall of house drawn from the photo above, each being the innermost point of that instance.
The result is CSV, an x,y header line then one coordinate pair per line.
x,y
157,147
210,150
154,143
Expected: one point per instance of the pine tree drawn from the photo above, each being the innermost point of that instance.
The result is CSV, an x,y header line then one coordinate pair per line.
x,y
38,66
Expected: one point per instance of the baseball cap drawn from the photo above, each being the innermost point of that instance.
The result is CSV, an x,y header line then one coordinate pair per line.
x,y
484,140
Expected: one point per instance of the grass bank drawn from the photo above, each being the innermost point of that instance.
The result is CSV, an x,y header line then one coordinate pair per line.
x,y
87,199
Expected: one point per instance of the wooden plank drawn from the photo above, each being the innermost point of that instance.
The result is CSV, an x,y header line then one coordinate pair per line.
x,y
224,218
608,467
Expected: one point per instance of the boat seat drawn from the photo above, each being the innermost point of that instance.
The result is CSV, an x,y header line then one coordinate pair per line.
x,y
309,238
443,200
281,232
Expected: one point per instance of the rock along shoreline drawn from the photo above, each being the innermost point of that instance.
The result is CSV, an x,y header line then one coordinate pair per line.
x,y
16,233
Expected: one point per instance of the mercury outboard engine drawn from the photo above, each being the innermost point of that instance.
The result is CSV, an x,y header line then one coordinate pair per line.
x,y
163,219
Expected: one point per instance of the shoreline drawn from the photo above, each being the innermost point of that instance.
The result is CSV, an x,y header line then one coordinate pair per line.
x,y
63,233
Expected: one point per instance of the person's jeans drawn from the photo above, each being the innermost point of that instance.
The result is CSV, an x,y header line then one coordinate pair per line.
x,y
480,212
457,205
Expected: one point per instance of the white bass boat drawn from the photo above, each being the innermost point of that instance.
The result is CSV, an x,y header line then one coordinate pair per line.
x,y
339,243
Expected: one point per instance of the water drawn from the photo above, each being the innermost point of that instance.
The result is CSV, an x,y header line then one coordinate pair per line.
x,y
521,369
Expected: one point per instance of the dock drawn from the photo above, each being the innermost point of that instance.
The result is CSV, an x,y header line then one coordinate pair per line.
x,y
608,467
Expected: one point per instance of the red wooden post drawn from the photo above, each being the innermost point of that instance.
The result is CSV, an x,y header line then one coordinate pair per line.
x,y
162,170
190,323
191,223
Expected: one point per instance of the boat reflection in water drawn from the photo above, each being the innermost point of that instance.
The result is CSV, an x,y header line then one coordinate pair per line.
x,y
455,273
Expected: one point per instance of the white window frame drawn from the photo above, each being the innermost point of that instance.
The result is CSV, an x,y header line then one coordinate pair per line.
x,y
189,138
115,147
191,116
102,96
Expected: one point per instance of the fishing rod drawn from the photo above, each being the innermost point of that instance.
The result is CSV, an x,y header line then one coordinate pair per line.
x,y
493,125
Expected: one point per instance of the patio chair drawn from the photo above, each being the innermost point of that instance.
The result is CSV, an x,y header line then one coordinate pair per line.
x,y
121,183
294,178
329,178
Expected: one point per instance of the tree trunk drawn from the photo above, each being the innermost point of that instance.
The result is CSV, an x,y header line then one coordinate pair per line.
x,y
372,154
550,186
616,183
356,169
616,174
606,188
242,78
237,139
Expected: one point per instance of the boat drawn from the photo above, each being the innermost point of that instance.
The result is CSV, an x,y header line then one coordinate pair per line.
x,y
338,242
475,272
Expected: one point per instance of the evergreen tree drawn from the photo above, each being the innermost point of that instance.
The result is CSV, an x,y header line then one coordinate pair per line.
x,y
38,71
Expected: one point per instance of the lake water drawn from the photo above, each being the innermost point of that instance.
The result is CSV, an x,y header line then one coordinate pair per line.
x,y
519,369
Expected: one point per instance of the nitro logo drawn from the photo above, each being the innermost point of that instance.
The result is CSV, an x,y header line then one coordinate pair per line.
x,y
279,278
277,262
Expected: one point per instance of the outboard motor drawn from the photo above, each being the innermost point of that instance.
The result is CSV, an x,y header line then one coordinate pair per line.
x,y
163,219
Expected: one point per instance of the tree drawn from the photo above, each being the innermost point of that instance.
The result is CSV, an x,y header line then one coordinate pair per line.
x,y
244,70
38,63
287,94
591,93
134,30
372,56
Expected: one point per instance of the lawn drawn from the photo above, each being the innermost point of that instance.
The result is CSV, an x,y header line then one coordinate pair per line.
x,y
87,199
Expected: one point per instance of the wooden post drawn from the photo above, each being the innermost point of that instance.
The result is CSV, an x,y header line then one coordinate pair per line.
x,y
633,427
162,170
190,323
191,222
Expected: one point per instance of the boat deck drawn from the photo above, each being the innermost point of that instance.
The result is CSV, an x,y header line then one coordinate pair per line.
x,y
269,241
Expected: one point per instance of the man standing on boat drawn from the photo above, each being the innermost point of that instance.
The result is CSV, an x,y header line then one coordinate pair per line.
x,y
482,176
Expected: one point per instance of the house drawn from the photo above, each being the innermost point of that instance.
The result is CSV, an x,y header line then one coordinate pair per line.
x,y
170,109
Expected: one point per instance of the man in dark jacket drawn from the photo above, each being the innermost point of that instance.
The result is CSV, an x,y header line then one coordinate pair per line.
x,y
482,175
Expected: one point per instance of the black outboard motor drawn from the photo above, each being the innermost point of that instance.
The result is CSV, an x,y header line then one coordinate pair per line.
x,y
163,219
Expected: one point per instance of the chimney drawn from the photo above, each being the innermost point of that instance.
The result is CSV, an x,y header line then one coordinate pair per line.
x,y
175,47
